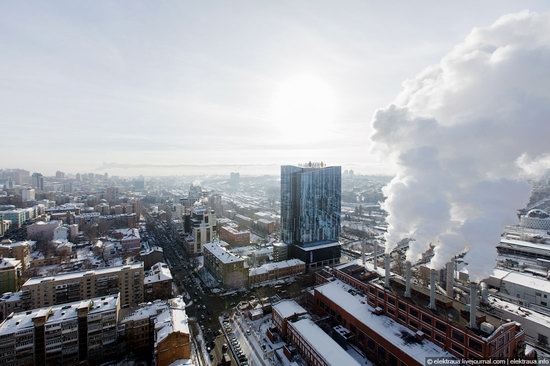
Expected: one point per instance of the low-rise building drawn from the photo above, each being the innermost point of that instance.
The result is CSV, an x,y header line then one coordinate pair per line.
x,y
284,311
233,236
129,239
74,286
227,267
151,255
17,216
275,271
525,288
10,274
63,334
172,336
42,230
158,282
4,225
19,250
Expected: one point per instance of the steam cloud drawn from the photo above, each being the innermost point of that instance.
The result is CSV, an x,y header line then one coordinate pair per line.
x,y
465,135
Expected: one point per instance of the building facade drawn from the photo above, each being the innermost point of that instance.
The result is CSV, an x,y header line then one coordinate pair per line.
x,y
74,286
310,211
227,267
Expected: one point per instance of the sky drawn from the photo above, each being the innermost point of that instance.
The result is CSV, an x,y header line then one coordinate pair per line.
x,y
181,87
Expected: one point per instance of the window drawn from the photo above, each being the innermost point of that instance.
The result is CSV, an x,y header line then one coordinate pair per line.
x,y
413,312
475,345
391,300
413,324
441,326
371,344
457,336
426,318
543,339
402,306
402,317
457,349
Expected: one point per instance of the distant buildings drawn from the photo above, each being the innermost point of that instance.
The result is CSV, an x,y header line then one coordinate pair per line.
x,y
74,286
27,194
61,335
310,212
37,181
234,181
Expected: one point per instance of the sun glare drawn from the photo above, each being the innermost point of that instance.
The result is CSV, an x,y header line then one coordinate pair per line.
x,y
303,105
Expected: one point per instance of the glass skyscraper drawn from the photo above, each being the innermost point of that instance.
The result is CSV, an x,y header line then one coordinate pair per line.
x,y
310,208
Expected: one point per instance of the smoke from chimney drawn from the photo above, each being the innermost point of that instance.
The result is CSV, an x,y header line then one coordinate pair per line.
x,y
464,135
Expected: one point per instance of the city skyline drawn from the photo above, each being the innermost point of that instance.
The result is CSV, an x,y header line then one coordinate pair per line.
x,y
163,83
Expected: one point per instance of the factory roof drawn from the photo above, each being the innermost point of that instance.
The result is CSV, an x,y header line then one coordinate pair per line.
x,y
525,280
322,343
356,304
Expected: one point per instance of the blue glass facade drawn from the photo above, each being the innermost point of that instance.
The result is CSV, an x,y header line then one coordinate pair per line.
x,y
310,205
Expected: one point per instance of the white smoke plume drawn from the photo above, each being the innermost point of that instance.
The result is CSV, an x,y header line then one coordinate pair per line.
x,y
464,135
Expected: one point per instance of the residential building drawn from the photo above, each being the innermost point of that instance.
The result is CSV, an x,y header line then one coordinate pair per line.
x,y
150,256
42,230
27,194
129,239
10,275
202,223
276,270
79,332
227,267
234,236
4,225
37,181
158,282
310,212
17,217
73,286
172,336
19,250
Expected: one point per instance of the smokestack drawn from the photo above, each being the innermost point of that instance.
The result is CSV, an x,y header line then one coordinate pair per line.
x,y
408,279
484,293
387,270
473,301
363,245
432,290
450,269
375,258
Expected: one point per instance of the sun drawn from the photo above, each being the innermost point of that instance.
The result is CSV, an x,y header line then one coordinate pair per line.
x,y
303,108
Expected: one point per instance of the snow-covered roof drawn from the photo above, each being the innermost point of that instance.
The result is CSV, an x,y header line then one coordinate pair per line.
x,y
173,320
320,246
73,275
221,253
268,267
525,280
145,311
322,343
288,308
356,305
158,272
58,313
6,263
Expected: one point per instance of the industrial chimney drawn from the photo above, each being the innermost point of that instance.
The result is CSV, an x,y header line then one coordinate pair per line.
x,y
449,286
432,290
387,270
408,279
363,245
473,301
484,293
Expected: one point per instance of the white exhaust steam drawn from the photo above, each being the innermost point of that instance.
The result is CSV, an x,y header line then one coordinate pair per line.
x,y
464,135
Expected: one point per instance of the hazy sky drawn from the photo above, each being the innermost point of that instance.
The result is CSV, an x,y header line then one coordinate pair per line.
x,y
216,83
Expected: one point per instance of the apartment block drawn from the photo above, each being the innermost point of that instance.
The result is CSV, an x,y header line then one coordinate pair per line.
x,y
74,286
10,274
61,335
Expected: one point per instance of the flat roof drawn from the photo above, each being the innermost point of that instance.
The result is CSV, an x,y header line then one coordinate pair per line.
x,y
221,253
57,313
322,343
521,279
356,304
267,267
73,275
288,308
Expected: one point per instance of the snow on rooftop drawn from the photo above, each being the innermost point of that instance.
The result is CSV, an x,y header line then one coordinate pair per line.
x,y
268,267
145,311
525,280
221,253
356,305
322,343
9,263
72,275
158,272
173,320
288,308
57,313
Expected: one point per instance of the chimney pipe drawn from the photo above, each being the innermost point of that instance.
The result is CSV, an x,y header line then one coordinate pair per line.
x,y
363,244
408,279
387,270
375,257
449,286
473,301
432,290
